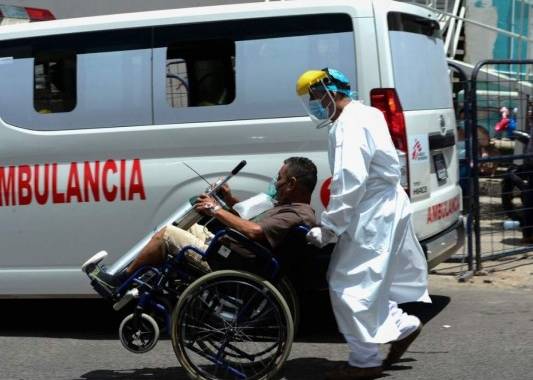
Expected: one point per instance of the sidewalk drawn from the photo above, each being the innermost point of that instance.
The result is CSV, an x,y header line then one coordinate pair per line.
x,y
512,272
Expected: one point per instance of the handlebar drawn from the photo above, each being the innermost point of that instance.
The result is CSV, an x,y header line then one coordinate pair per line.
x,y
218,184
238,168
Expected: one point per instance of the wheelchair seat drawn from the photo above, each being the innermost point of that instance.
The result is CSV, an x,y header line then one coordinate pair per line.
x,y
230,249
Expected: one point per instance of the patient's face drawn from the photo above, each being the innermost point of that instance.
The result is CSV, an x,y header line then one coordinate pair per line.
x,y
283,185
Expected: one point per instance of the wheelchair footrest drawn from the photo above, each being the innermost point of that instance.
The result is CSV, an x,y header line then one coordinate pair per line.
x,y
102,290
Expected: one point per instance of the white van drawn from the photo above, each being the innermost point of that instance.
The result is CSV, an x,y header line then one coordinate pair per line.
x,y
98,115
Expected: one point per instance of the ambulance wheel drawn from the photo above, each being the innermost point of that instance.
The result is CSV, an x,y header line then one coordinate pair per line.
x,y
138,333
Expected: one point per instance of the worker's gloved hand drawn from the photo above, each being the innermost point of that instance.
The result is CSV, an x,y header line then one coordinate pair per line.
x,y
320,236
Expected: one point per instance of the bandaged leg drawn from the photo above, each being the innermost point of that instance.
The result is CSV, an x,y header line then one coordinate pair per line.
x,y
363,355
170,239
201,232
176,238
197,236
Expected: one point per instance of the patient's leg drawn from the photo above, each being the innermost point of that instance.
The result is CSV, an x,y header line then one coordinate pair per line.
x,y
153,253
170,239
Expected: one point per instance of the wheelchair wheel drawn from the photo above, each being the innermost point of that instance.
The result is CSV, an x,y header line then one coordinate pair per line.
x,y
138,334
290,295
232,325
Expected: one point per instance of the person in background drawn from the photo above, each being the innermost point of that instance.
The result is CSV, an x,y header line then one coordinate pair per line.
x,y
486,149
527,228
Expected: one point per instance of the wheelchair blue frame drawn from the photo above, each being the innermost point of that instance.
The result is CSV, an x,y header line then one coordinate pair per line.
x,y
173,265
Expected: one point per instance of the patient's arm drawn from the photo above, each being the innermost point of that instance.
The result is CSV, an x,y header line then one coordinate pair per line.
x,y
251,230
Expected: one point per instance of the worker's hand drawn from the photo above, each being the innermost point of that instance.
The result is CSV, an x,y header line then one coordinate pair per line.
x,y
320,236
206,205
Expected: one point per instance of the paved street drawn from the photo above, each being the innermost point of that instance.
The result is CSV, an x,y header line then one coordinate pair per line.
x,y
472,332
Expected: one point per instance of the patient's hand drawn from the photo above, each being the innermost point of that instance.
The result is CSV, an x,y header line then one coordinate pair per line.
x,y
225,194
206,205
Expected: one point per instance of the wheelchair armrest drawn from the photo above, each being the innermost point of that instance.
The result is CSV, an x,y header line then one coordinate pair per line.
x,y
241,238
260,251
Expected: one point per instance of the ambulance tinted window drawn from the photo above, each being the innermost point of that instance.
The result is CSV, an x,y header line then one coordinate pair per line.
x,y
54,82
244,69
419,63
200,73
76,81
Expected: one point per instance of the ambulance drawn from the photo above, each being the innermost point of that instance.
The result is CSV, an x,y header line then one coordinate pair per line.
x,y
105,120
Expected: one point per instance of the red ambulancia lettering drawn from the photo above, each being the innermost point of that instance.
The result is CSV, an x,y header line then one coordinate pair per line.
x,y
110,193
443,210
7,185
136,181
73,184
40,183
41,197
91,180
24,177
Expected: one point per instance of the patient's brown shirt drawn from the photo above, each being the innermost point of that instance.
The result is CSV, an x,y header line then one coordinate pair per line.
x,y
278,221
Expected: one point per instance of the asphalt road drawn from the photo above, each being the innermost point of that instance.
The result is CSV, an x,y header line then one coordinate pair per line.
x,y
470,333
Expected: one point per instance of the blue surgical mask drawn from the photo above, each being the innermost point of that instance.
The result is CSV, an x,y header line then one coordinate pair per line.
x,y
272,191
317,110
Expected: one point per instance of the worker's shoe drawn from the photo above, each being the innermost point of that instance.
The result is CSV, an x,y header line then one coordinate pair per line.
x,y
398,348
348,372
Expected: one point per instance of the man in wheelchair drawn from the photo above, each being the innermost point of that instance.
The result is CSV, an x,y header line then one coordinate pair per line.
x,y
295,183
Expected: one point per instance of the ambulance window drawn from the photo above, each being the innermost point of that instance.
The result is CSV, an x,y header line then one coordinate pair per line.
x,y
419,63
100,79
200,74
244,69
54,84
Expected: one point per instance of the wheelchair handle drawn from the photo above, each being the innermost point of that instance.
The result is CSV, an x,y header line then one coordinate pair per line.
x,y
220,183
238,168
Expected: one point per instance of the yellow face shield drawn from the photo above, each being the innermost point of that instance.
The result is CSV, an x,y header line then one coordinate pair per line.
x,y
316,99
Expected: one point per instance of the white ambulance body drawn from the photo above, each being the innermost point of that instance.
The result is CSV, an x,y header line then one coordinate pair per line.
x,y
98,116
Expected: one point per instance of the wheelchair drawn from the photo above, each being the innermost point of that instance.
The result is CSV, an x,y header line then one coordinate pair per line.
x,y
234,321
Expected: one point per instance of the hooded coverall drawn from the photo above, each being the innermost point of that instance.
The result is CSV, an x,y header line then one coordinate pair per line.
x,y
377,261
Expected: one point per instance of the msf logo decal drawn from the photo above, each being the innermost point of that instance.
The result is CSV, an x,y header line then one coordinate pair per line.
x,y
417,152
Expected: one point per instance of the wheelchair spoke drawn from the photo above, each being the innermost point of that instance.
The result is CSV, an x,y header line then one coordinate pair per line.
x,y
233,328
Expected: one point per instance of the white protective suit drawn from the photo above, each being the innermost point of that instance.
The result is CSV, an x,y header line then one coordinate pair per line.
x,y
377,257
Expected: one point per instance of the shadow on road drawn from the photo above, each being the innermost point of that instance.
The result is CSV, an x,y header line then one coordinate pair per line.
x,y
95,319
173,373
59,318
296,369
427,311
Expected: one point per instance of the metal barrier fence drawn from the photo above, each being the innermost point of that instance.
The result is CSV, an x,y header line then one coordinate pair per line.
x,y
498,169
461,90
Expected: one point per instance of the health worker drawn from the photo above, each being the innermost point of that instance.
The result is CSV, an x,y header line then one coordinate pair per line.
x,y
377,261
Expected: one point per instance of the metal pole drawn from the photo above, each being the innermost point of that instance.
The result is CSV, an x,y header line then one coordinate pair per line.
x,y
474,163
468,155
